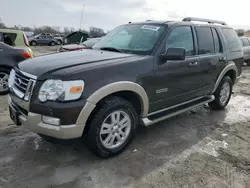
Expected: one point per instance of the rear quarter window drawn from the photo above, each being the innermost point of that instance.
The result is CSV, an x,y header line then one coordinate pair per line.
x,y
232,39
12,36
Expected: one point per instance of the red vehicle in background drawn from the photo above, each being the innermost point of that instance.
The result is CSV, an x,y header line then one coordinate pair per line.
x,y
88,44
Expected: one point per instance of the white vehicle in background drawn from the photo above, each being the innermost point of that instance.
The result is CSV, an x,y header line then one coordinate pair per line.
x,y
59,38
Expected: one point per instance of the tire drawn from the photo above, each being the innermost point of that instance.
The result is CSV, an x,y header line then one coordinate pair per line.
x,y
33,43
96,139
248,62
59,42
52,43
219,104
4,75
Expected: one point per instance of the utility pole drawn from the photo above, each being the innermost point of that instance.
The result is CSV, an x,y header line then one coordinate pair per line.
x,y
81,17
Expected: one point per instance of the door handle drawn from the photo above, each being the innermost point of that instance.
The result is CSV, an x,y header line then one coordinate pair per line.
x,y
1,50
193,64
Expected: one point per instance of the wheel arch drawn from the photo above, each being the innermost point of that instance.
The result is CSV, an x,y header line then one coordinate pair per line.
x,y
231,70
8,67
119,89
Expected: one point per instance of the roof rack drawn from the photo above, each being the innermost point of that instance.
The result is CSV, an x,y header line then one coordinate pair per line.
x,y
189,19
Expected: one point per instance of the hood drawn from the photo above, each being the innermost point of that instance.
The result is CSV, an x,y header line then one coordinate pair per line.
x,y
51,63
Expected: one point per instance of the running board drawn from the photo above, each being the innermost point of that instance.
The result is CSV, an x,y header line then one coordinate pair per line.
x,y
155,118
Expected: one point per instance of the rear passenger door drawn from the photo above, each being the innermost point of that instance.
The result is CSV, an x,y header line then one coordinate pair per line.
x,y
211,56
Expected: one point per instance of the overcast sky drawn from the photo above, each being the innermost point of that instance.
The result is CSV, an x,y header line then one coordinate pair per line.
x,y
108,14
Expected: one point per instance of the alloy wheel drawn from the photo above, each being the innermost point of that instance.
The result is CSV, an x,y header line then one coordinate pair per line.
x,y
115,129
3,81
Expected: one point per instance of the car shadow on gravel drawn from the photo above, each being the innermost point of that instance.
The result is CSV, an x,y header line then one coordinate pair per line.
x,y
39,160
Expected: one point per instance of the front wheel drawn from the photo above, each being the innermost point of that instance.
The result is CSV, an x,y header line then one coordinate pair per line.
x,y
4,76
112,127
222,94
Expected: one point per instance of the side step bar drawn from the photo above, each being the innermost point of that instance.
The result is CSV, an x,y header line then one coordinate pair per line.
x,y
150,120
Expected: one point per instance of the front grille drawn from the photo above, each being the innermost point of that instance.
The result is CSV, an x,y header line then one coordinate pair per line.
x,y
21,84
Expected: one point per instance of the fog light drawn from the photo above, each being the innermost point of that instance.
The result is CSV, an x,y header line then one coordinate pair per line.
x,y
50,120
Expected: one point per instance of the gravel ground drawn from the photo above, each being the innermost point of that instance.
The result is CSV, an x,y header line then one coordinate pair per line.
x,y
44,50
200,148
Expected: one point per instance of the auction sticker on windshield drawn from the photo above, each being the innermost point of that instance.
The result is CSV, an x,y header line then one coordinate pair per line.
x,y
150,27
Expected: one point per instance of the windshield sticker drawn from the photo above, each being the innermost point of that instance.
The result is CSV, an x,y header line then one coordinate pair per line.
x,y
150,27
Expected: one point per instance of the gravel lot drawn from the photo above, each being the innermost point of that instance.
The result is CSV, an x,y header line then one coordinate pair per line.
x,y
200,148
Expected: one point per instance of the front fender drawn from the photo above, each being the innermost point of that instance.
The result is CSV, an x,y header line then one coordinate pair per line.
x,y
110,89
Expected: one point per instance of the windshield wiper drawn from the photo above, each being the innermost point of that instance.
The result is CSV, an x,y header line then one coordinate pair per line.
x,y
111,49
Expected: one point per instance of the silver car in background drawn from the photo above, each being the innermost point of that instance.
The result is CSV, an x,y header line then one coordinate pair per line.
x,y
245,41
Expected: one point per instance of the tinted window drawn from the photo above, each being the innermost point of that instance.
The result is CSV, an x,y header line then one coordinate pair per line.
x,y
1,37
245,42
12,36
232,39
217,42
41,37
181,37
205,40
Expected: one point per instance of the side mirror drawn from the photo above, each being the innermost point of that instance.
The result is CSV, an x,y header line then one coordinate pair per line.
x,y
174,54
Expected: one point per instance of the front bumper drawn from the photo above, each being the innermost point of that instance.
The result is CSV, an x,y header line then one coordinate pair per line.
x,y
34,123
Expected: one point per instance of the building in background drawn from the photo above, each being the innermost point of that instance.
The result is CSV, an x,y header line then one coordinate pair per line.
x,y
247,33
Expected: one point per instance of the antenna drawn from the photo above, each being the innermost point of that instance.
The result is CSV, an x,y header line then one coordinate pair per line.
x,y
81,17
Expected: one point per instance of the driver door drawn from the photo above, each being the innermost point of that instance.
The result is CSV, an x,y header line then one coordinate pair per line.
x,y
177,81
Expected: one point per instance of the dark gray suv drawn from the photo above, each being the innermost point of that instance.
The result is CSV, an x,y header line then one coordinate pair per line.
x,y
139,72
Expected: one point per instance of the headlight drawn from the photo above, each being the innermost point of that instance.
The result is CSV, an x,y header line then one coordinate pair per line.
x,y
53,90
11,78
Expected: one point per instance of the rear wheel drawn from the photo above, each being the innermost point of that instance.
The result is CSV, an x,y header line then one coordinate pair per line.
x,y
4,76
248,62
112,127
59,42
222,94
33,43
52,43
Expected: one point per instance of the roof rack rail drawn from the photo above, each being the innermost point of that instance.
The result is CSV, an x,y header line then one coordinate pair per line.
x,y
189,19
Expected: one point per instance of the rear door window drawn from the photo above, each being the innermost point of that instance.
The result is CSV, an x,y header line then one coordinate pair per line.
x,y
232,39
1,37
205,40
12,37
217,42
245,42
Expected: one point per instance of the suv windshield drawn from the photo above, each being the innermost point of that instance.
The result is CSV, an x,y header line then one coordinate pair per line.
x,y
132,38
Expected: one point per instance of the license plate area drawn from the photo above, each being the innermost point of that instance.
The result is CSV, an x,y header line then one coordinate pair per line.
x,y
14,115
